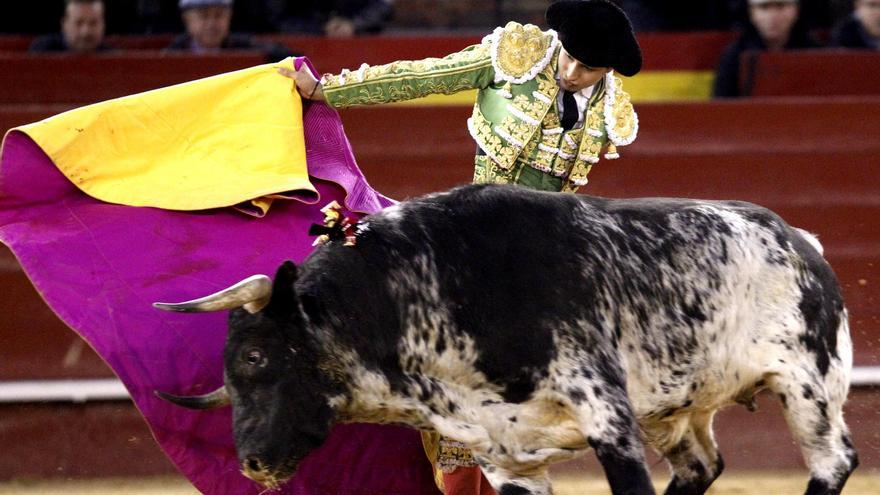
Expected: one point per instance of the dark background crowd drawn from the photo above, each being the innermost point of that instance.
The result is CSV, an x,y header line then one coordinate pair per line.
x,y
203,26
164,16
370,16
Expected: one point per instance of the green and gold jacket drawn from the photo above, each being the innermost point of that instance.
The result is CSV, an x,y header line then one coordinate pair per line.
x,y
515,120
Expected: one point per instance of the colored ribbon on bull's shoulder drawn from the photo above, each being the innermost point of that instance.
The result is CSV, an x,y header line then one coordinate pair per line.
x,y
337,226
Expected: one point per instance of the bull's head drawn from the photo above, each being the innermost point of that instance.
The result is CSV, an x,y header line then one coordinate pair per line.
x,y
272,380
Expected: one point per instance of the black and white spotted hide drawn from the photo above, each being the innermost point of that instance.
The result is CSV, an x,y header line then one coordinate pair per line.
x,y
533,326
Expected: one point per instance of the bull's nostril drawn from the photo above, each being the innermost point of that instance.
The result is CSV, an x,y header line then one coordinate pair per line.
x,y
252,464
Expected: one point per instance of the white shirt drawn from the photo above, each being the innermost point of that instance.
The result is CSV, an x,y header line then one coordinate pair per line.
x,y
582,98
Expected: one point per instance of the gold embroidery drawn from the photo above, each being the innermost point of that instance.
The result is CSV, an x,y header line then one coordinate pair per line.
x,y
570,144
486,172
452,454
509,124
404,80
509,138
625,123
500,152
534,108
330,80
569,187
594,121
505,90
402,69
530,145
579,173
521,132
543,160
563,164
369,95
551,120
621,121
547,85
521,48
560,168
592,142
521,101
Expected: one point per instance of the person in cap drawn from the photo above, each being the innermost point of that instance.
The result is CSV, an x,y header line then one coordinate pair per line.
x,y
548,103
207,24
774,25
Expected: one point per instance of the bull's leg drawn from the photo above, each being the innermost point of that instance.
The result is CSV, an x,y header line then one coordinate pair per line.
x,y
613,434
597,394
694,458
626,473
813,406
508,483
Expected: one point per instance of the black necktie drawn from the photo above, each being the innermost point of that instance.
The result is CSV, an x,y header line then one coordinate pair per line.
x,y
569,110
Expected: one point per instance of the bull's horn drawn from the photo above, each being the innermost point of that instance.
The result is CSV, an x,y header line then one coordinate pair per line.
x,y
213,400
252,293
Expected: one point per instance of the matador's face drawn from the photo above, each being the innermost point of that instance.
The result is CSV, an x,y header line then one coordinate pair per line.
x,y
574,75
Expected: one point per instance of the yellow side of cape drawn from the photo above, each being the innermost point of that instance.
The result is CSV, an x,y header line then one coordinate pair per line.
x,y
204,144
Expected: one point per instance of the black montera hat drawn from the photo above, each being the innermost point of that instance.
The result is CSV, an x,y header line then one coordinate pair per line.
x,y
597,33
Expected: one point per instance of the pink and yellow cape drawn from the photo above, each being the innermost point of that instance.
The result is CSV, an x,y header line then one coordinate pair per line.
x,y
116,205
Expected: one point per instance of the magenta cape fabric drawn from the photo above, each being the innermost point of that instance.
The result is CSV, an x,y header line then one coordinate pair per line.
x,y
100,267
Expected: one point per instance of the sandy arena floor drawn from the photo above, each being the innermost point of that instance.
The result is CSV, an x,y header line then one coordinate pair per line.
x,y
728,484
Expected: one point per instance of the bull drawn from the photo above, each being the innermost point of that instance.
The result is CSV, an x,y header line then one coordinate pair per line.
x,y
534,326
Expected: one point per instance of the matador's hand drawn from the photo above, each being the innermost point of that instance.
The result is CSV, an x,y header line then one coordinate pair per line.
x,y
306,84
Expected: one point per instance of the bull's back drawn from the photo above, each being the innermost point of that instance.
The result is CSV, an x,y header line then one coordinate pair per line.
x,y
508,268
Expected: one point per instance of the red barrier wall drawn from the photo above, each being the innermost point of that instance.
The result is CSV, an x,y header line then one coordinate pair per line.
x,y
52,79
813,73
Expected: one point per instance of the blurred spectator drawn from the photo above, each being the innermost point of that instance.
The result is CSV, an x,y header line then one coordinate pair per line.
x,y
813,14
335,18
838,10
681,15
817,15
861,29
155,16
207,30
707,15
774,25
82,29
207,27
259,16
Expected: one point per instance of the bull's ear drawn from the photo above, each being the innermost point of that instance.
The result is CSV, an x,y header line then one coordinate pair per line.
x,y
283,294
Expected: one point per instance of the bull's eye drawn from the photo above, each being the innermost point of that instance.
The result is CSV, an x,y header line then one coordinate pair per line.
x,y
254,357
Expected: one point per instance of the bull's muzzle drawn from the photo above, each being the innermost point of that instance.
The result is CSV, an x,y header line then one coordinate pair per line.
x,y
255,470
252,294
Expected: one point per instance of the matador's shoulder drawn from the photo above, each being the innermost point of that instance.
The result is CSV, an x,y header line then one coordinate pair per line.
x,y
621,120
520,51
